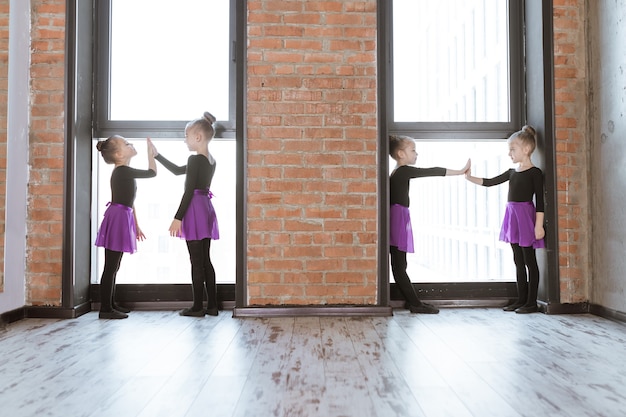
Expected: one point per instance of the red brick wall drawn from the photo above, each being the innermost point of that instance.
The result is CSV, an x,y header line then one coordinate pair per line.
x,y
312,189
4,75
45,186
571,79
312,192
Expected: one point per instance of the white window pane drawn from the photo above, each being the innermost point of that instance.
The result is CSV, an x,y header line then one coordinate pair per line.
x,y
162,259
450,61
169,63
456,223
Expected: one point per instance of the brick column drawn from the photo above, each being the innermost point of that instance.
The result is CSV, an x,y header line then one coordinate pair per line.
x,y
45,187
312,143
570,54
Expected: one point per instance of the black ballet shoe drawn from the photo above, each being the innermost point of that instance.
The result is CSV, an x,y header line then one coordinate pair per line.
x,y
527,309
190,312
512,307
113,314
424,309
121,309
213,311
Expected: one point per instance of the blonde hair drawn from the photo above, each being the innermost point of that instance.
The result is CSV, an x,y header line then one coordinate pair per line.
x,y
397,143
527,136
204,124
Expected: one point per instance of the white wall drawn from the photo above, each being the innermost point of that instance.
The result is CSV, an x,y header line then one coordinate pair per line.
x,y
607,34
13,296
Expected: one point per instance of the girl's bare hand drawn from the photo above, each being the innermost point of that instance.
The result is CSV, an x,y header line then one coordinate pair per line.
x,y
175,228
152,150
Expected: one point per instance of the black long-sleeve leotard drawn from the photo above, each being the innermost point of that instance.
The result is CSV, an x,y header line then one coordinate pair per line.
x,y
522,185
401,177
199,176
123,184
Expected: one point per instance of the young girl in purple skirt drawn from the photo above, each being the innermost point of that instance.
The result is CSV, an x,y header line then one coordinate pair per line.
x,y
402,150
195,221
119,231
522,226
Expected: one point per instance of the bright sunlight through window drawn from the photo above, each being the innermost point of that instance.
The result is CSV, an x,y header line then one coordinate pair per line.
x,y
169,63
451,61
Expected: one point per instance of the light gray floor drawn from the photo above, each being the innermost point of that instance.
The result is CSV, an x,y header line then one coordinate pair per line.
x,y
463,362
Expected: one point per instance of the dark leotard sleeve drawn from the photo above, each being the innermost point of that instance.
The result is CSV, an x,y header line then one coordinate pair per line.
x,y
400,179
523,185
198,177
504,177
537,175
123,185
170,166
192,172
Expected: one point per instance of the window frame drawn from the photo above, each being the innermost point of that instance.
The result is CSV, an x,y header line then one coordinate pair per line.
x,y
527,37
87,111
469,130
104,126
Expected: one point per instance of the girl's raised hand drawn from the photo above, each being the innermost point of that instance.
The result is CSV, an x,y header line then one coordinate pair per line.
x,y
467,168
152,150
468,165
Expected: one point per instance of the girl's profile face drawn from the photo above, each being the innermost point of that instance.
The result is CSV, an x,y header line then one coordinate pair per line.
x,y
517,151
125,149
410,154
191,139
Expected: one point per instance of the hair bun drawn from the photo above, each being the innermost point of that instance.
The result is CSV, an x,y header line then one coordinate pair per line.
x,y
209,117
529,129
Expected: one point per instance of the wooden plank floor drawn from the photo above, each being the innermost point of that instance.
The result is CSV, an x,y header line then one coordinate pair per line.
x,y
463,362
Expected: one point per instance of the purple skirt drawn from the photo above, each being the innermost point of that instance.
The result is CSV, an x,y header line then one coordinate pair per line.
x,y
118,230
518,225
400,230
200,221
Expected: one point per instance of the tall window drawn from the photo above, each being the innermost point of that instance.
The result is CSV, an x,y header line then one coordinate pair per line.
x,y
451,61
160,65
169,59
457,83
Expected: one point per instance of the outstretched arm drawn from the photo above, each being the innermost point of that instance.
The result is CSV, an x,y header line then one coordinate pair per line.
x,y
173,168
475,180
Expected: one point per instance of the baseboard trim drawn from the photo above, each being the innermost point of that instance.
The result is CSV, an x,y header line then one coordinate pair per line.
x,y
161,305
12,316
567,308
315,311
607,313
46,312
290,311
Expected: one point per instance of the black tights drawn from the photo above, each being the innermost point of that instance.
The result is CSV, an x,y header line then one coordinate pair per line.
x,y
202,273
527,274
112,260
398,267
